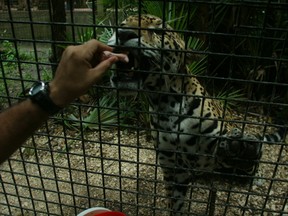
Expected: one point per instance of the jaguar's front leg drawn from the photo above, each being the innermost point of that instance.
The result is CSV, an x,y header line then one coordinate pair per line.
x,y
177,181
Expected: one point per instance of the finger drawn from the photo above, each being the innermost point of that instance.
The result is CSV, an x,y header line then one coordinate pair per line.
x,y
93,50
97,46
102,67
121,57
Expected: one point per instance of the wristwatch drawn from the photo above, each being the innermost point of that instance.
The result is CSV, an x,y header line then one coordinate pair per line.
x,y
39,94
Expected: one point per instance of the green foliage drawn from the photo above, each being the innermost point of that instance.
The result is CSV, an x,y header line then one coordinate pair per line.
x,y
105,34
230,96
19,70
10,56
107,114
108,3
7,59
84,34
198,63
152,7
8,52
198,67
176,14
121,3
46,75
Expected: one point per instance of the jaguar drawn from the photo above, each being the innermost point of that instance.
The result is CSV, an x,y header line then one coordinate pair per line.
x,y
188,125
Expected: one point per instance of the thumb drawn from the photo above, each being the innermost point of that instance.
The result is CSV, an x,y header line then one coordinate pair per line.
x,y
102,67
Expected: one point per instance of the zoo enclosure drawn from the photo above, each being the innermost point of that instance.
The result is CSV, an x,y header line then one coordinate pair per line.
x,y
97,152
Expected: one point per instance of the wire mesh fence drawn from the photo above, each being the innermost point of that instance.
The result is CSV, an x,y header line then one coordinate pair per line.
x,y
102,150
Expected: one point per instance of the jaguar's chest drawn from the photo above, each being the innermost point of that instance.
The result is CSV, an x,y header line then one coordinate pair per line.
x,y
183,115
182,136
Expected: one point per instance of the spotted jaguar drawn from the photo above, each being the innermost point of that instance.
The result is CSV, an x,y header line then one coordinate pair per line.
x,y
188,125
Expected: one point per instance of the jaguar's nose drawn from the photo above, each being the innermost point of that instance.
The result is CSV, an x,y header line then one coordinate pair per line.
x,y
125,35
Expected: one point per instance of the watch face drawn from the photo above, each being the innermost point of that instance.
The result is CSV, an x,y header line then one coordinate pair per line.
x,y
39,86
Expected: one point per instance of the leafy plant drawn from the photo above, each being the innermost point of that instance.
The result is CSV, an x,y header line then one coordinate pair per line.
x,y
84,34
105,34
176,15
197,66
10,56
46,75
230,97
108,113
103,115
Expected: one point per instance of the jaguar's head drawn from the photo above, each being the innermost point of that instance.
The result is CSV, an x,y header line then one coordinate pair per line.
x,y
155,53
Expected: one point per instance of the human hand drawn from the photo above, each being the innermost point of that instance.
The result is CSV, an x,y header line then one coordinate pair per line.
x,y
80,67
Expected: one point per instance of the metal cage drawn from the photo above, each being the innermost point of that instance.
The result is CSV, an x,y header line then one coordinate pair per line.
x,y
99,151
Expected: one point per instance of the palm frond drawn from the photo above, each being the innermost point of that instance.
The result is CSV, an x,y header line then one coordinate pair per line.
x,y
104,115
231,96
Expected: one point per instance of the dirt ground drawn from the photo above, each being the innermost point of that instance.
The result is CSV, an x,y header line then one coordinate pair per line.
x,y
62,172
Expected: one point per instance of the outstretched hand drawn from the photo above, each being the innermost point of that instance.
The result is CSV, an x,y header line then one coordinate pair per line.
x,y
80,67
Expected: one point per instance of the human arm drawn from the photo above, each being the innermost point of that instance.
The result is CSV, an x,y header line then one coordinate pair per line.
x,y
17,124
80,67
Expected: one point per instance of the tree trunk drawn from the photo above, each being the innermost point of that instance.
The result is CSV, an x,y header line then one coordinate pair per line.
x,y
58,19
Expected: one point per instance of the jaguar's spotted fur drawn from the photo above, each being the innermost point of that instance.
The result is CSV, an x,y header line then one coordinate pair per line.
x,y
187,124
